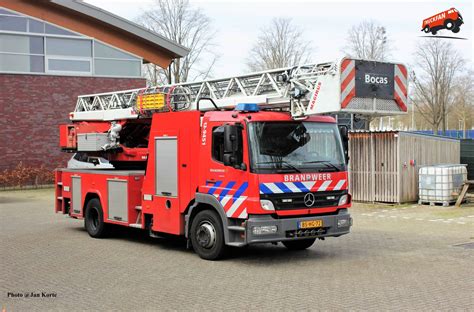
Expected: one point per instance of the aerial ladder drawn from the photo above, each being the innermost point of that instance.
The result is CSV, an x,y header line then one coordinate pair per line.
x,y
102,122
304,90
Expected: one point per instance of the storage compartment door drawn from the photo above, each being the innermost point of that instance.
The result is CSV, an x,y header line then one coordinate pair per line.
x,y
166,166
118,200
76,195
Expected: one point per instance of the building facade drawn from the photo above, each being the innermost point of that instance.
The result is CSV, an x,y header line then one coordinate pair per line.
x,y
44,66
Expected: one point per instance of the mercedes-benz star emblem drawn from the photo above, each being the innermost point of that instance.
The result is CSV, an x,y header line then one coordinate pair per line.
x,y
309,199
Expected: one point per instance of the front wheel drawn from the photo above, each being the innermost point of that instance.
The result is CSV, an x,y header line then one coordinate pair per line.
x,y
426,29
207,235
449,24
94,219
300,244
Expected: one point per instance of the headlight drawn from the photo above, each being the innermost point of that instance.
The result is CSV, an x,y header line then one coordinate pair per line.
x,y
343,200
265,229
267,205
343,222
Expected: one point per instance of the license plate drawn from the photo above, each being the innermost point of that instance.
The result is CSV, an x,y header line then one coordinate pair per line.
x,y
310,224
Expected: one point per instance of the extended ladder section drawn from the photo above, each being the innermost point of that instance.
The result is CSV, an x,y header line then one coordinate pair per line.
x,y
358,86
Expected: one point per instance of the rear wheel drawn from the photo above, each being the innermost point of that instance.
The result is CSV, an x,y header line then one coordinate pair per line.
x,y
434,32
455,29
300,244
94,219
207,235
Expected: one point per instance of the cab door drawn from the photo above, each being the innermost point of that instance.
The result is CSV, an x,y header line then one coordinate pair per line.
x,y
228,183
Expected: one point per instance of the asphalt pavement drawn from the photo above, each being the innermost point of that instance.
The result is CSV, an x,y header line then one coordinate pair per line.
x,y
396,258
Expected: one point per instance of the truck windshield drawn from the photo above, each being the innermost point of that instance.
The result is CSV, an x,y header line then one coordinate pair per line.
x,y
277,147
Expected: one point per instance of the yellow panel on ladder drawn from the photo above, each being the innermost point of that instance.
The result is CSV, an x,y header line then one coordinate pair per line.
x,y
150,101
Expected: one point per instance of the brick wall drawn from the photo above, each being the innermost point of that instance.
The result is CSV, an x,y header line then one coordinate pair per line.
x,y
32,107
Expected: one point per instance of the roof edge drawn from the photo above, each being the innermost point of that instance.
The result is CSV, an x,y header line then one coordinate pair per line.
x,y
124,24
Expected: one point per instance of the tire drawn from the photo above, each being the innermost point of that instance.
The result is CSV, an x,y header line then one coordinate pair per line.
x,y
207,235
434,32
426,29
455,30
449,24
300,244
94,219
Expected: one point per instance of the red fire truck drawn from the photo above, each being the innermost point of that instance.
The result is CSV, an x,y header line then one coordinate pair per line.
x,y
450,19
224,162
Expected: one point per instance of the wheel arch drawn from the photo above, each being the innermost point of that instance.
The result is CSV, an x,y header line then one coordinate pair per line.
x,y
91,195
206,202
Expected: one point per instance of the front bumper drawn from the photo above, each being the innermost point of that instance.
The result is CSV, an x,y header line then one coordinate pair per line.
x,y
287,228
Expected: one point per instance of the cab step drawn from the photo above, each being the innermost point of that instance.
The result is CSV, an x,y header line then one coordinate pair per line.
x,y
234,244
138,207
136,225
236,228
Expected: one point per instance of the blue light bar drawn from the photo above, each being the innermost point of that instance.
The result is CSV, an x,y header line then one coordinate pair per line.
x,y
247,107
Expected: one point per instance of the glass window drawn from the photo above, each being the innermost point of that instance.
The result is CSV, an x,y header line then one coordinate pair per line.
x,y
14,43
117,68
21,63
14,62
12,23
35,26
21,44
36,45
37,64
51,29
295,147
68,47
69,65
104,51
218,144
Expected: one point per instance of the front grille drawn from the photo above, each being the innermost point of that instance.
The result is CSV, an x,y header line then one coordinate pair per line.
x,y
288,201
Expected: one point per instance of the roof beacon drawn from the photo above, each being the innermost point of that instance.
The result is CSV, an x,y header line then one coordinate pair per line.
x,y
247,107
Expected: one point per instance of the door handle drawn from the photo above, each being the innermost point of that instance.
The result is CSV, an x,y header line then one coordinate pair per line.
x,y
210,182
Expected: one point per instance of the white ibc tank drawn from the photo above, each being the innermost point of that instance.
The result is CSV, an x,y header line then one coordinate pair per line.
x,y
438,183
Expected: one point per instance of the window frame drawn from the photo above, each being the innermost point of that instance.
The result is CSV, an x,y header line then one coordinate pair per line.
x,y
67,72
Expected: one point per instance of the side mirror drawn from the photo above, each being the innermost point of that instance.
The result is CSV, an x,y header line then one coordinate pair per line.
x,y
230,139
233,153
344,133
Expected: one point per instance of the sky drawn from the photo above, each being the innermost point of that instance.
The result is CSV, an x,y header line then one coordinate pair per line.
x,y
325,24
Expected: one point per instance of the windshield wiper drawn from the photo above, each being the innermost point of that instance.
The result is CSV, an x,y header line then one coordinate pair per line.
x,y
280,162
325,162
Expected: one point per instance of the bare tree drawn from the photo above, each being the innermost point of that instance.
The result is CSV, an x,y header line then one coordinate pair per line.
x,y
438,63
178,21
280,44
463,106
367,40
